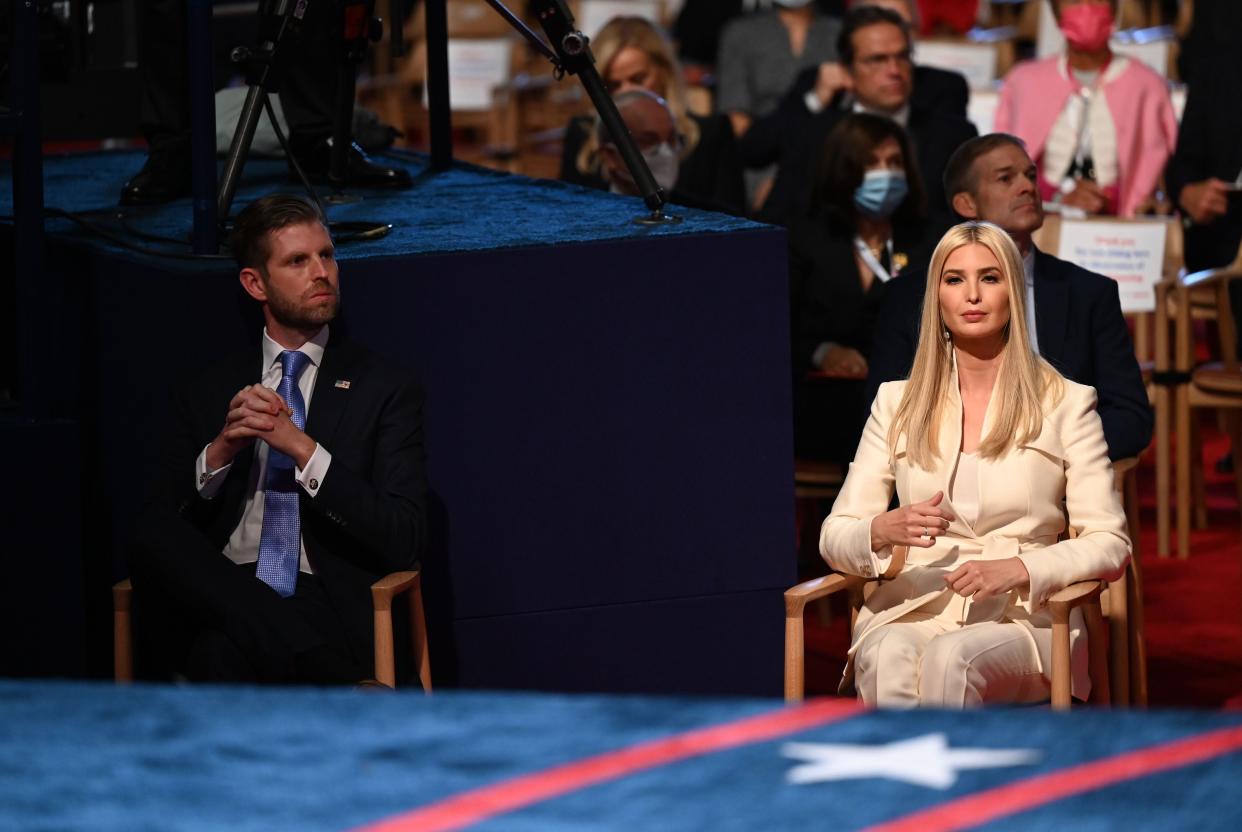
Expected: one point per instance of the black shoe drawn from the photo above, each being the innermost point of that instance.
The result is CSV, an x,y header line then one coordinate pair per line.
x,y
360,171
164,177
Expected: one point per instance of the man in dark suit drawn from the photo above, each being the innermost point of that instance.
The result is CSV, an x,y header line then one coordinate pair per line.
x,y
1077,322
292,479
877,77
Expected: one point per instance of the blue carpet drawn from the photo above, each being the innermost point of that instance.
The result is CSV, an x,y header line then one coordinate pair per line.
x,y
94,756
466,208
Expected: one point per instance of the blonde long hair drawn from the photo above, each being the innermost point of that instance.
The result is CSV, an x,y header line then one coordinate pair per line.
x,y
1025,382
641,34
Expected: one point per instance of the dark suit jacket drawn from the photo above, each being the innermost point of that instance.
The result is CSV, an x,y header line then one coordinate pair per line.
x,y
709,178
1081,332
934,91
827,301
1209,143
935,135
368,517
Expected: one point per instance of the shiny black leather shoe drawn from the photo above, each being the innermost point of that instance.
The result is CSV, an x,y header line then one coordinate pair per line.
x,y
163,178
360,171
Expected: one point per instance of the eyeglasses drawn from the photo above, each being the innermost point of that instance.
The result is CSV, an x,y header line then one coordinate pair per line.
x,y
872,63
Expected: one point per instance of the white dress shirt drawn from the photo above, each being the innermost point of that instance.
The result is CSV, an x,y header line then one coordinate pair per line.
x,y
1028,267
243,545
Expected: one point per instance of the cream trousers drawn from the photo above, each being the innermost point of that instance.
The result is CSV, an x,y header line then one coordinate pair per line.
x,y
922,661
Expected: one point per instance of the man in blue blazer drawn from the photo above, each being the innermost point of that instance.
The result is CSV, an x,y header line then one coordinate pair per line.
x,y
1078,326
292,479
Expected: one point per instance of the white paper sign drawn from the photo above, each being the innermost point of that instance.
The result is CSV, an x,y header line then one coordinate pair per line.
x,y
593,14
976,61
1132,253
476,68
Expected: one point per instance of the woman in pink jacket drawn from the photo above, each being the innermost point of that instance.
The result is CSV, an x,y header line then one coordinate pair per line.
x,y
1100,126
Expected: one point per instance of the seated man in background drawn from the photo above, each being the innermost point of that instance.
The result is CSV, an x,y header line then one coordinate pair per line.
x,y
831,85
652,125
292,479
875,49
1074,316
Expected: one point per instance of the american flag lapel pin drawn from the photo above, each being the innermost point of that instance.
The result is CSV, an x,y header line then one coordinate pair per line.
x,y
342,383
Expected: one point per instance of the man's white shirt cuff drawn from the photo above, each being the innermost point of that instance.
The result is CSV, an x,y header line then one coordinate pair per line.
x,y
311,477
812,102
208,482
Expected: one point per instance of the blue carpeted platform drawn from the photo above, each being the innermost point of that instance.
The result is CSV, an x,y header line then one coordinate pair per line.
x,y
78,756
467,208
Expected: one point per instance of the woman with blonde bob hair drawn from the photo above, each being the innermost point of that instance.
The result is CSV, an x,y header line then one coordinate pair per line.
x,y
631,53
989,449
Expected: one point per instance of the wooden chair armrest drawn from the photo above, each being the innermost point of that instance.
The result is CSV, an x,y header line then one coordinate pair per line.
x,y
1123,466
1075,595
797,597
390,586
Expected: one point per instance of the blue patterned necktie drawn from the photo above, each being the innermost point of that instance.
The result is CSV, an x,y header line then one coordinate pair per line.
x,y
281,542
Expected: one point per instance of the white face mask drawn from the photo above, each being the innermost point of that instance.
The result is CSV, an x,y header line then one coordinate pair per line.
x,y
793,4
664,164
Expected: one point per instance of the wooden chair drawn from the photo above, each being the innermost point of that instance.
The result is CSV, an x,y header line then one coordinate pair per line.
x,y
1213,385
383,592
1118,662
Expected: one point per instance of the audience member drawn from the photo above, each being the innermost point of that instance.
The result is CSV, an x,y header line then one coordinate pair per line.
x,y
1205,174
699,25
308,80
865,224
1073,315
760,56
654,129
875,50
831,85
291,481
1100,126
988,449
631,54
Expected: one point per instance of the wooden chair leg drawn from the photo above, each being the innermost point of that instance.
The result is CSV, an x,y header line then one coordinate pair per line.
x,y
1062,684
1163,419
1137,641
1098,656
795,650
1185,460
122,632
418,632
382,593
1119,641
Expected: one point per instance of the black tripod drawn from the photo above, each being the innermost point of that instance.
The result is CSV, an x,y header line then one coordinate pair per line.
x,y
570,53
276,19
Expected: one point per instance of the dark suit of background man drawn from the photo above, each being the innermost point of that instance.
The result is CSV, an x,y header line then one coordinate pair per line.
x,y
1078,324
263,538
875,50
307,62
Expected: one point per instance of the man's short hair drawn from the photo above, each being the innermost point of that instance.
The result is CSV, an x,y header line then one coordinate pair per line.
x,y
960,175
250,239
860,17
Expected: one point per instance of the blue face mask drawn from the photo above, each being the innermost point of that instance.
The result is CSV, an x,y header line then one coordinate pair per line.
x,y
880,193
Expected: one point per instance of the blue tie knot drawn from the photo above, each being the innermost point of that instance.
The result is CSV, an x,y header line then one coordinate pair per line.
x,y
292,363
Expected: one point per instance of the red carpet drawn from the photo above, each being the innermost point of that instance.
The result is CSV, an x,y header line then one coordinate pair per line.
x,y
1193,607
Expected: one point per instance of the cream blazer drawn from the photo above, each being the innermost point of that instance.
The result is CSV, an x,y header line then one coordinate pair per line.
x,y
1023,501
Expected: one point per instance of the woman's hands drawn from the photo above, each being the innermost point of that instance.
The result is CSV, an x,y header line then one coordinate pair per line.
x,y
986,578
918,524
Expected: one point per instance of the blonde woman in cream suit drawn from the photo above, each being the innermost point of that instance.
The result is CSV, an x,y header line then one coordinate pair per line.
x,y
989,449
